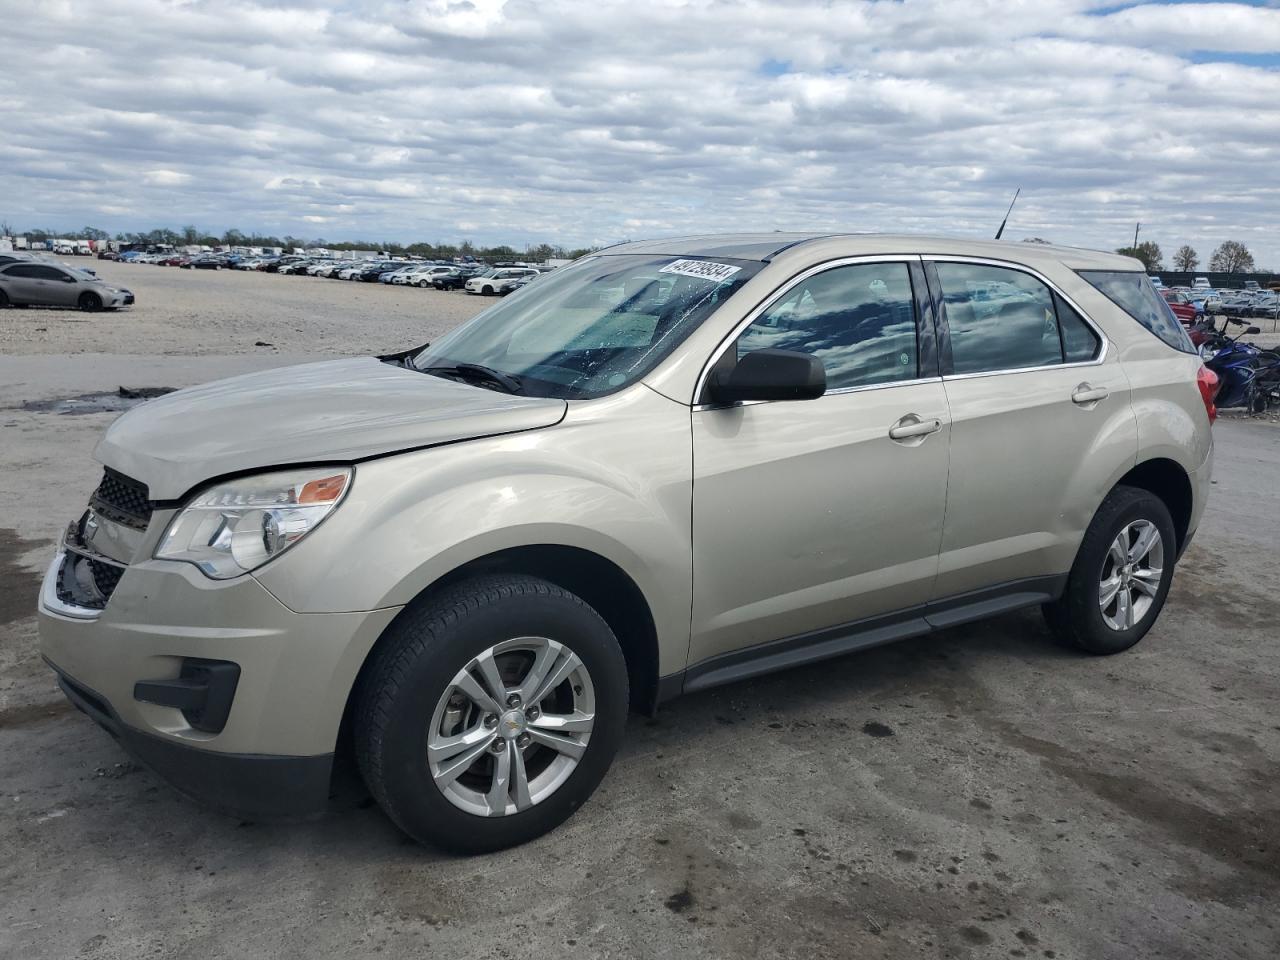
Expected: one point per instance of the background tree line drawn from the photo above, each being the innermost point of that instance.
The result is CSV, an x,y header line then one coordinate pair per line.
x,y
1231,256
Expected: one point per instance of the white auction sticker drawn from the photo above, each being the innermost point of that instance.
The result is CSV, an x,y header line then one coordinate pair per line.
x,y
704,269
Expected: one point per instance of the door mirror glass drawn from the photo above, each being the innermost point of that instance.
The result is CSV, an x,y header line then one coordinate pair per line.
x,y
771,375
1253,330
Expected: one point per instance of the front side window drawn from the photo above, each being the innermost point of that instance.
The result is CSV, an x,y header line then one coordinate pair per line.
x,y
858,319
1133,293
1004,319
592,327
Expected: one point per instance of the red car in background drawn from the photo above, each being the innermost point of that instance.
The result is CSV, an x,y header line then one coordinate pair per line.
x,y
1182,308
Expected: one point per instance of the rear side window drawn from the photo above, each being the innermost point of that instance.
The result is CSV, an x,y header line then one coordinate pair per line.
x,y
1004,319
1133,293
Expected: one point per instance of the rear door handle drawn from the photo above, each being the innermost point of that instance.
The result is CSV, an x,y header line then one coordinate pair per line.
x,y
1085,394
912,426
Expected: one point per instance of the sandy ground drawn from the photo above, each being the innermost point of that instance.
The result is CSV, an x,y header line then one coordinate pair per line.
x,y
202,312
980,793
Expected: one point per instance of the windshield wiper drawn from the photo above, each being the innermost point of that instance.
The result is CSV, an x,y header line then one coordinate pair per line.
x,y
479,372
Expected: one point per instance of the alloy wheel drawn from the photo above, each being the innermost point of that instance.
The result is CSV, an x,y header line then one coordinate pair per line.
x,y
1131,575
511,726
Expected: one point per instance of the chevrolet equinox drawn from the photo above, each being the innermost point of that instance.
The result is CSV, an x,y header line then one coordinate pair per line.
x,y
667,466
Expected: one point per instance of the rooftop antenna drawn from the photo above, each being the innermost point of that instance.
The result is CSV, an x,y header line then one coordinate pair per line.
x,y
1007,212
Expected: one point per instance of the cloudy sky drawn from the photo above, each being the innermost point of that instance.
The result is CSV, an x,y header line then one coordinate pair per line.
x,y
590,122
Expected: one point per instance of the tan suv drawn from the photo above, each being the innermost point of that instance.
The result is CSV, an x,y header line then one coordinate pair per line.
x,y
667,466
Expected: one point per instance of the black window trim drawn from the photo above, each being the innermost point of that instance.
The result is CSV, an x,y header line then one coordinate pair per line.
x,y
946,363
926,327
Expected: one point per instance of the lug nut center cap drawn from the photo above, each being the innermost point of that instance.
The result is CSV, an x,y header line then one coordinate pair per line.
x,y
512,723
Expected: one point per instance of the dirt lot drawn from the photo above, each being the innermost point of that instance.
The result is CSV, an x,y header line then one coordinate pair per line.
x,y
201,312
981,793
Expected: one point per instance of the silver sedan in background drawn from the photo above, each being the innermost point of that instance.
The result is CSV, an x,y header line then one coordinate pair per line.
x,y
45,284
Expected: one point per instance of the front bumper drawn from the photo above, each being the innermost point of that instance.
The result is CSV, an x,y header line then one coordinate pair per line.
x,y
296,672
243,785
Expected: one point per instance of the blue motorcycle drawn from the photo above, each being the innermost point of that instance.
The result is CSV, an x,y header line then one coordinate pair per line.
x,y
1249,375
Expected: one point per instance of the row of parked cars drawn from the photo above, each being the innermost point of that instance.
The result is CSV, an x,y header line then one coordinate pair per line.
x,y
477,278
1190,304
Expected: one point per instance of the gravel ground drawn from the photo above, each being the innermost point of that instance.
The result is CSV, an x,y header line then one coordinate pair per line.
x,y
201,312
980,793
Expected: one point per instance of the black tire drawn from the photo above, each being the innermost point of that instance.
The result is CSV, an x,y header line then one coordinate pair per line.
x,y
4,299
90,302
414,665
1076,618
423,284
487,291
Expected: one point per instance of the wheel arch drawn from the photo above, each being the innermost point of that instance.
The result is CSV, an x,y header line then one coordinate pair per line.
x,y
1167,480
597,580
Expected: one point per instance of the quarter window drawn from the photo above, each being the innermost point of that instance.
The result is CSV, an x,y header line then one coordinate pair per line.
x,y
1135,295
1003,319
858,319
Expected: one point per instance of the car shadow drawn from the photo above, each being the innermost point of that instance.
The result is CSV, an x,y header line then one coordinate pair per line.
x,y
133,806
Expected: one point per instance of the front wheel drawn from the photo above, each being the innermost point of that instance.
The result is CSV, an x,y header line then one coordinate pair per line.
x,y
422,284
1121,575
4,300
90,302
490,713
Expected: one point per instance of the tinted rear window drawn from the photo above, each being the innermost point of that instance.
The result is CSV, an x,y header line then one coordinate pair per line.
x,y
1134,294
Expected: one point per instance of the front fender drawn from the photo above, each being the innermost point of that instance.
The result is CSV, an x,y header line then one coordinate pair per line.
x,y
616,483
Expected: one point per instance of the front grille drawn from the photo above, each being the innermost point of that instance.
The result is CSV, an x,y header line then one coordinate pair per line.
x,y
123,499
86,578
86,582
105,576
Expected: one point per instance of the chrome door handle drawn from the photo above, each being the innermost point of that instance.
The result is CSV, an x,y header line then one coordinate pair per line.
x,y
912,426
1084,394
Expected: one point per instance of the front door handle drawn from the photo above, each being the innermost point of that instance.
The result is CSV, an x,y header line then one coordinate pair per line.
x,y
1085,394
912,426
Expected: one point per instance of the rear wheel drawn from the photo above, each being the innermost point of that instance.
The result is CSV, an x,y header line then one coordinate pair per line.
x,y
90,302
4,299
491,713
1121,576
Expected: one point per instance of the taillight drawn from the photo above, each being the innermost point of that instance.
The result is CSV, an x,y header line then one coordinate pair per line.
x,y
1208,383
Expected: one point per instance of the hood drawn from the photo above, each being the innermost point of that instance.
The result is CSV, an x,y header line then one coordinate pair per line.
x,y
339,410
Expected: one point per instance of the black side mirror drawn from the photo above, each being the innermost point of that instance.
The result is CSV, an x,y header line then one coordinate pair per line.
x,y
771,375
1250,330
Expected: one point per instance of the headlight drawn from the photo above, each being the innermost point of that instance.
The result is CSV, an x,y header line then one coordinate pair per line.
x,y
237,526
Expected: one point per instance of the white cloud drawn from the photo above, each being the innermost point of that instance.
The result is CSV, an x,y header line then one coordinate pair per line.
x,y
590,122
166,178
